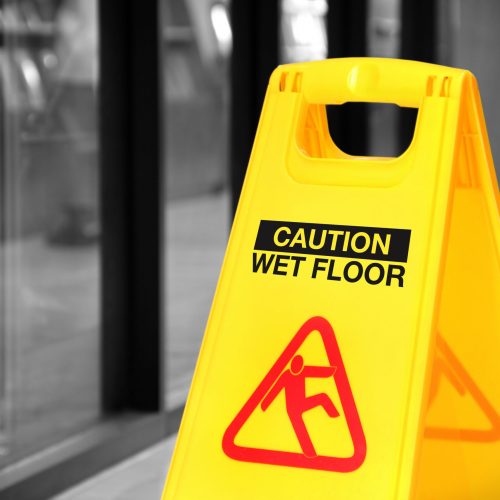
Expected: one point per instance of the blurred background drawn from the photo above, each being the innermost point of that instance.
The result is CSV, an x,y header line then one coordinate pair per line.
x,y
125,130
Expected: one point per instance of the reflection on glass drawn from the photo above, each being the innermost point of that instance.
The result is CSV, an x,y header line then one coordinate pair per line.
x,y
303,30
198,41
49,266
222,27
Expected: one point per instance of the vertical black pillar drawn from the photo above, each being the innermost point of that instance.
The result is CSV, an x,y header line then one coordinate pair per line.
x,y
347,37
255,55
131,108
418,42
419,30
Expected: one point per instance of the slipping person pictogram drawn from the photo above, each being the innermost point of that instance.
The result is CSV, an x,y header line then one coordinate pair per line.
x,y
289,375
293,382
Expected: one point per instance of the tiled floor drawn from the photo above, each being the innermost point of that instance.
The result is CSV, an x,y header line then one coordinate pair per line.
x,y
140,477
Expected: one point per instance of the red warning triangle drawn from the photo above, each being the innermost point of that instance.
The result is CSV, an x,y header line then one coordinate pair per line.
x,y
448,367
288,375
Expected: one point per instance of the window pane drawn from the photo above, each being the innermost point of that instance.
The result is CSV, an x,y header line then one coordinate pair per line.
x,y
49,242
198,41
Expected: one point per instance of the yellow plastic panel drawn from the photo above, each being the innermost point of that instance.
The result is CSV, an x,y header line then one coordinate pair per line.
x,y
342,324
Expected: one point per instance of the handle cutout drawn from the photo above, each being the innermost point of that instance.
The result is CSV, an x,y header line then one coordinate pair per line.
x,y
336,131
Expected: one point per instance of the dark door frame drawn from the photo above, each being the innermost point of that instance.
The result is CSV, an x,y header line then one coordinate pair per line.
x,y
347,37
419,39
131,132
255,55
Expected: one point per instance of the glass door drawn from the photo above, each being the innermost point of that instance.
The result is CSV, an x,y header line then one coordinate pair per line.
x,y
49,239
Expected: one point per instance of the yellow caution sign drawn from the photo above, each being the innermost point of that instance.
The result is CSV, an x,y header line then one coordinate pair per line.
x,y
353,347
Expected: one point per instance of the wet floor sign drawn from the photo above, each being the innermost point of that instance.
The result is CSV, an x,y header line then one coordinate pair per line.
x,y
353,347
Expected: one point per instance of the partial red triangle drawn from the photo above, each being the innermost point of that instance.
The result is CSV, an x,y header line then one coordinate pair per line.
x,y
275,374
448,366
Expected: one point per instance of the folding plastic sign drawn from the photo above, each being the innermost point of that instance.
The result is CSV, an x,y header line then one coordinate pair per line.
x,y
352,348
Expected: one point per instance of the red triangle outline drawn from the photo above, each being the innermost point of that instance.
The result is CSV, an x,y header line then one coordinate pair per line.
x,y
293,459
488,410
